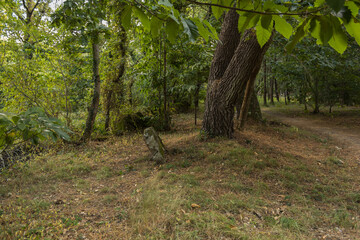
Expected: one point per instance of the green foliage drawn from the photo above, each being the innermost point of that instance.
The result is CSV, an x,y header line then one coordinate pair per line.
x,y
32,125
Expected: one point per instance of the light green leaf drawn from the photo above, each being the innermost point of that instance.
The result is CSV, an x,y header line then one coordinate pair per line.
x,y
339,39
217,11
318,3
202,30
244,4
212,30
262,34
244,21
142,17
353,8
353,28
315,30
282,26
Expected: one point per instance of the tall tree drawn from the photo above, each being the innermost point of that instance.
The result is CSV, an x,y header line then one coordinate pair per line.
x,y
75,14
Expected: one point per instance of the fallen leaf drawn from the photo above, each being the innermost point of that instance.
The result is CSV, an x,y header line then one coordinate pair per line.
x,y
194,205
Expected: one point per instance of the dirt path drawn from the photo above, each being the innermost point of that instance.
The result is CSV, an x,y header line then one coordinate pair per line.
x,y
348,136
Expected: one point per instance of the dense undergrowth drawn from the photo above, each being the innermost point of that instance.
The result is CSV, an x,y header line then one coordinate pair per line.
x,y
270,182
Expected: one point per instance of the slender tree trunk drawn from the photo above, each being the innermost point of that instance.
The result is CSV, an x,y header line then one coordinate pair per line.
x,y
276,90
265,87
271,89
288,95
166,113
223,93
316,97
93,109
196,99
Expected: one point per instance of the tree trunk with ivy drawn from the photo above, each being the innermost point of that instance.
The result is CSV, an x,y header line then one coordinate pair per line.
x,y
115,89
93,109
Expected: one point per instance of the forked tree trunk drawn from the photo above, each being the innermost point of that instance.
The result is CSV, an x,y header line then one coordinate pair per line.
x,y
223,93
93,109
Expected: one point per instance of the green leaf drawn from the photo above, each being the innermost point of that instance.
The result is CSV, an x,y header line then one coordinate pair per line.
x,y
339,39
353,8
171,30
244,4
336,5
266,20
155,26
15,119
244,21
190,29
165,3
142,17
217,11
263,34
353,28
282,26
300,33
326,29
126,17
201,28
315,30
62,134
318,3
212,30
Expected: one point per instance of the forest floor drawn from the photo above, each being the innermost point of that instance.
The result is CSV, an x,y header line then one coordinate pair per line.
x,y
342,124
272,181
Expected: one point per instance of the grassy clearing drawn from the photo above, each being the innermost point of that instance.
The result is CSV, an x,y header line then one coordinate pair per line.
x,y
267,183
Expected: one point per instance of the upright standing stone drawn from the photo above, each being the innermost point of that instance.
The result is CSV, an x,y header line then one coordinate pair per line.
x,y
155,145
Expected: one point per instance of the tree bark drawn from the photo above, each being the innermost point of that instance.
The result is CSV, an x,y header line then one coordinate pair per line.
x,y
223,93
96,95
229,40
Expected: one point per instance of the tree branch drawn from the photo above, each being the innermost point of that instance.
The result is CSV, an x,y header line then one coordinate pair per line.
x,y
257,12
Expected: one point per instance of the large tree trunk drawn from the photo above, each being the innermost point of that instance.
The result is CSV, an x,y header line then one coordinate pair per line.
x,y
225,50
96,95
223,92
